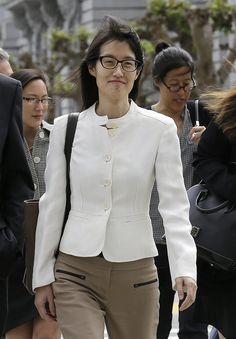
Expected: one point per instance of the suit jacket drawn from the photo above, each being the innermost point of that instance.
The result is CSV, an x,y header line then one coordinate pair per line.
x,y
215,162
15,179
113,167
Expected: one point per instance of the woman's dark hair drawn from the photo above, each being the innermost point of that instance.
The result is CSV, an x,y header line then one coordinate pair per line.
x,y
111,29
222,102
168,58
27,75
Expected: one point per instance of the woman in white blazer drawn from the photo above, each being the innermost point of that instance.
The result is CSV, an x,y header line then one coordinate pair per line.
x,y
105,268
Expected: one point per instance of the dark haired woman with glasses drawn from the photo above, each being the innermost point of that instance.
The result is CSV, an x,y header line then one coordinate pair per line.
x,y
23,320
36,103
173,77
105,271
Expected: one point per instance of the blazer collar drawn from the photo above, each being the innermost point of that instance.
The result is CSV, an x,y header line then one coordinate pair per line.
x,y
104,120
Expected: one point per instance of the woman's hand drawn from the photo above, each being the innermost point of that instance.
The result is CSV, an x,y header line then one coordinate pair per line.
x,y
196,133
44,301
186,288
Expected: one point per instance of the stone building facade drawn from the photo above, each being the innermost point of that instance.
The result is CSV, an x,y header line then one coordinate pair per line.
x,y
24,23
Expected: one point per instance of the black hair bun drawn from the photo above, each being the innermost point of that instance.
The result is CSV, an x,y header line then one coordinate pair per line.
x,y
161,46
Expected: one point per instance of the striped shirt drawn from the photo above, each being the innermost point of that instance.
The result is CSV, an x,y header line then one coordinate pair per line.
x,y
37,158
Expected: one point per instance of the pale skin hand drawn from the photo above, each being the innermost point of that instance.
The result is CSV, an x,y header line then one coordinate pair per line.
x,y
186,288
44,301
196,133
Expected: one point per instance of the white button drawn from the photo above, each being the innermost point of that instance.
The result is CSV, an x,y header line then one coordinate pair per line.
x,y
106,207
35,187
111,125
36,160
41,134
107,157
111,132
102,120
107,183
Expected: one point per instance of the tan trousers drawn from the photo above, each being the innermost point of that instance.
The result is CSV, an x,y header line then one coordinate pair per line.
x,y
92,291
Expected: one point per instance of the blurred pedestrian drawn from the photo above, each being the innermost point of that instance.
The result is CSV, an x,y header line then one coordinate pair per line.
x,y
215,163
23,319
15,178
5,67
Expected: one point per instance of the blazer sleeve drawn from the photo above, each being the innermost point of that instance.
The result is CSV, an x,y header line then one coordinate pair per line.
x,y
16,180
51,205
213,162
174,206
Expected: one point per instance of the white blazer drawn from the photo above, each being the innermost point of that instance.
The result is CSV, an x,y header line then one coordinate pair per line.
x,y
114,163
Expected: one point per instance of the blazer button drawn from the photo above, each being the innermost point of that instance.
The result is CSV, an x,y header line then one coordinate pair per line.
x,y
36,160
111,125
107,157
41,134
107,183
106,207
111,132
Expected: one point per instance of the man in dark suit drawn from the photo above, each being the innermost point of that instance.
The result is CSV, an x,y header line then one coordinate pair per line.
x,y
5,66
16,183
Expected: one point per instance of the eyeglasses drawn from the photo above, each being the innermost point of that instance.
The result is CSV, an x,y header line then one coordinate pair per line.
x,y
36,101
176,88
128,65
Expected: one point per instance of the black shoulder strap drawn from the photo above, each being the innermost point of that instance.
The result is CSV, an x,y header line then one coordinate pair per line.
x,y
191,107
70,133
204,114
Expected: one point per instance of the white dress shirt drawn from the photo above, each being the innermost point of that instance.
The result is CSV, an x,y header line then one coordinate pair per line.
x,y
114,163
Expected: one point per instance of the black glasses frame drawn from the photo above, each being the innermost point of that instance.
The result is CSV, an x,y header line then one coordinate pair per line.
x,y
121,62
36,101
186,88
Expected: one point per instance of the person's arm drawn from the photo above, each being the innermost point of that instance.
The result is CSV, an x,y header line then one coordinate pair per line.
x,y
51,208
213,162
174,209
44,301
16,181
50,221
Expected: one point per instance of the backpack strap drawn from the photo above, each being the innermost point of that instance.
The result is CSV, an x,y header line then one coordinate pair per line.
x,y
196,103
203,115
70,133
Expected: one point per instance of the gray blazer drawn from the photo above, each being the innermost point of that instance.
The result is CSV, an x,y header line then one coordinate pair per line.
x,y
37,159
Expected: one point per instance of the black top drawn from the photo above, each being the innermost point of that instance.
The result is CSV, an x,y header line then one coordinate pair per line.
x,y
215,162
